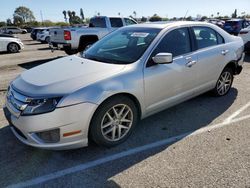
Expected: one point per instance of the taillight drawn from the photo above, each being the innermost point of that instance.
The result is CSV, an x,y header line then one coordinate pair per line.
x,y
67,35
243,32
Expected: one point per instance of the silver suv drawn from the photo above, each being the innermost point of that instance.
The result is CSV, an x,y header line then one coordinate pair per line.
x,y
14,30
130,74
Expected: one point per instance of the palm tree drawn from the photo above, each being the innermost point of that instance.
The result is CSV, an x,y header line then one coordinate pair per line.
x,y
81,14
65,15
134,14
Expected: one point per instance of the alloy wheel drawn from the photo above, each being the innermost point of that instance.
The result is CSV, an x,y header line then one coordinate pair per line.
x,y
117,122
224,83
13,48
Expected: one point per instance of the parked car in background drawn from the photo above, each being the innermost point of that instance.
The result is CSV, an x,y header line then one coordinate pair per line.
x,y
245,35
235,25
29,29
35,31
43,36
102,93
73,40
10,43
217,22
13,30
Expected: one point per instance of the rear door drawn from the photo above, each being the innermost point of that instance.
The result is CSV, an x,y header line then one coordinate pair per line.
x,y
211,53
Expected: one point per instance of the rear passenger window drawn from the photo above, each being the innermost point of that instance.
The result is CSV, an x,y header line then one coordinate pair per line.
x,y
207,37
116,22
220,39
176,42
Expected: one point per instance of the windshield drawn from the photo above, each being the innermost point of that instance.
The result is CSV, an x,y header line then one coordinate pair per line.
x,y
123,46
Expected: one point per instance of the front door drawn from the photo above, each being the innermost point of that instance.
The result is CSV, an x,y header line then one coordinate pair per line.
x,y
168,84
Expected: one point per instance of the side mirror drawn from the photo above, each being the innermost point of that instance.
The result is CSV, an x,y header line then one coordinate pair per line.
x,y
163,58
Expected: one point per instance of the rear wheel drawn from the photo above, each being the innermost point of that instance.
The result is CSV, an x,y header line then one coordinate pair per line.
x,y
113,121
47,40
224,82
13,48
69,51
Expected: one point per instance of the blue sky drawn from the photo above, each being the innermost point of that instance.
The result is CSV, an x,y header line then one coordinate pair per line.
x,y
52,9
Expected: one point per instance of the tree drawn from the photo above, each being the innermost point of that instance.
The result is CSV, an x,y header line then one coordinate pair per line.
x,y
65,15
18,20
23,14
218,14
234,15
143,19
189,18
155,18
203,18
81,14
2,24
8,22
134,13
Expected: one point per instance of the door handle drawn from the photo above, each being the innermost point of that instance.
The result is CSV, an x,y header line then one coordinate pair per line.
x,y
224,52
190,63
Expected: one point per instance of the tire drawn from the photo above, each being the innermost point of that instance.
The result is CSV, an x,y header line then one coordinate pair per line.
x,y
84,45
69,51
108,128
13,47
47,40
10,32
224,83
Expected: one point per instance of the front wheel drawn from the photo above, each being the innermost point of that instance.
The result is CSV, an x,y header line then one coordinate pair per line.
x,y
13,48
113,121
47,40
224,82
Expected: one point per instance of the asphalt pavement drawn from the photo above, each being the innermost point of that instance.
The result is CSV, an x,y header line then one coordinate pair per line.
x,y
204,142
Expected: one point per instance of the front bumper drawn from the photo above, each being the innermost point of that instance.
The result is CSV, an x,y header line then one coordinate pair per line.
x,y
66,119
58,46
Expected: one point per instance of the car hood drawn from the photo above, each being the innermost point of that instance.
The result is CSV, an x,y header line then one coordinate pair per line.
x,y
63,76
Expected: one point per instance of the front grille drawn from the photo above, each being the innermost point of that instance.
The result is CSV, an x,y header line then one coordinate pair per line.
x,y
16,102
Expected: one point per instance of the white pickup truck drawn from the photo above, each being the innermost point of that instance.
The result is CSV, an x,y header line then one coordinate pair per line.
x,y
73,39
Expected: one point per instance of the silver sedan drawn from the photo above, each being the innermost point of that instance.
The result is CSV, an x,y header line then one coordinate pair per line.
x,y
130,74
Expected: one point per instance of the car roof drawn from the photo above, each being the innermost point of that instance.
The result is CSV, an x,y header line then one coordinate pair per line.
x,y
163,24
234,20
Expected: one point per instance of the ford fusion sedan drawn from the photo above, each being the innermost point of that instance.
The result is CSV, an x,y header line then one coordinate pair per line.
x,y
10,43
132,73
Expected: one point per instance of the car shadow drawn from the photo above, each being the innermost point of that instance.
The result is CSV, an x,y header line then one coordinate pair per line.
x,y
47,48
35,63
31,44
28,162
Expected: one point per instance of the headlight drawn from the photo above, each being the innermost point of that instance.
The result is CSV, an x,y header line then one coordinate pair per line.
x,y
39,106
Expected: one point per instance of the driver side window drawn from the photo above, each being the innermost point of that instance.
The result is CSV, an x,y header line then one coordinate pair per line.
x,y
176,42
